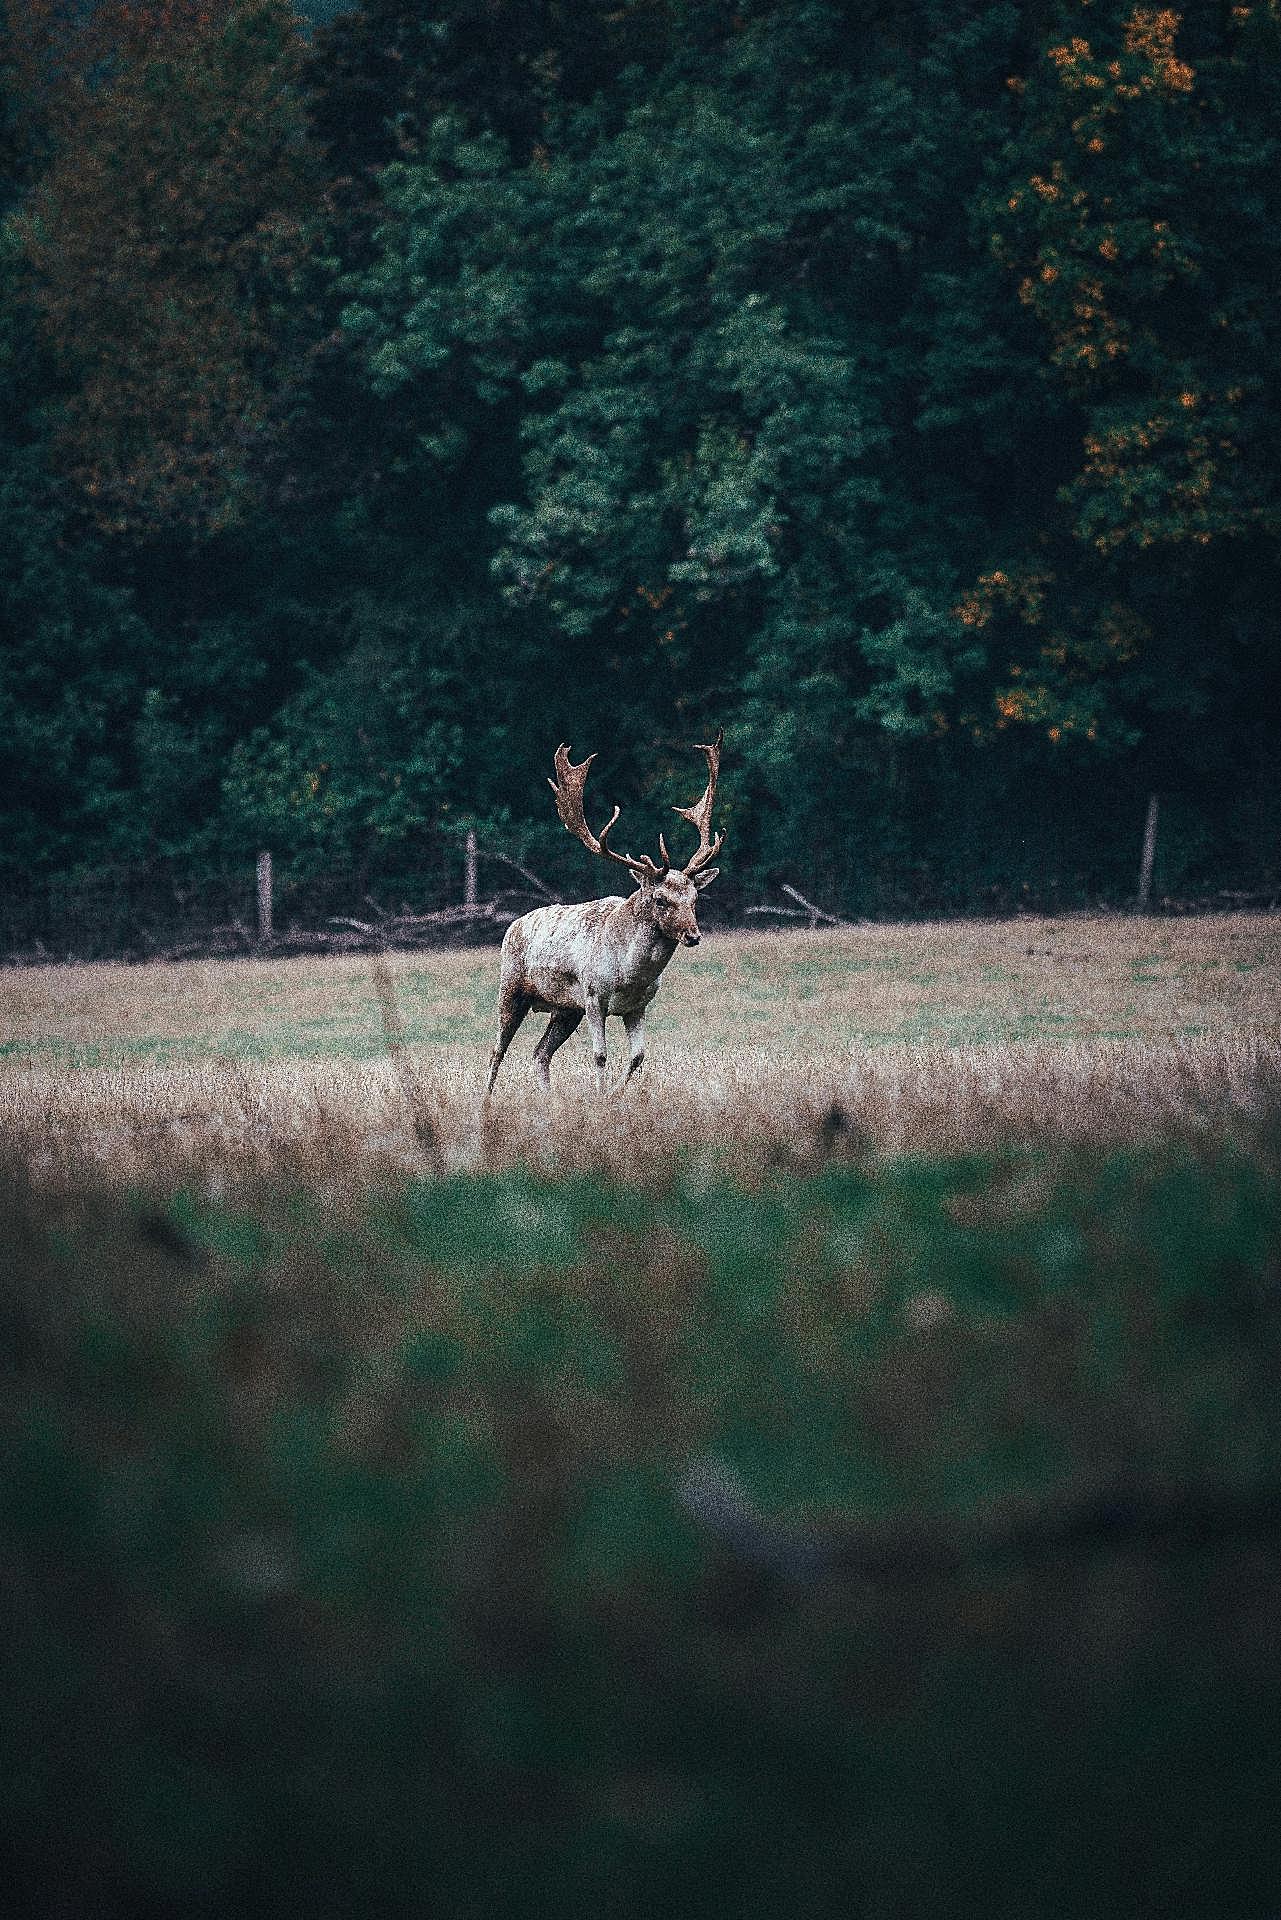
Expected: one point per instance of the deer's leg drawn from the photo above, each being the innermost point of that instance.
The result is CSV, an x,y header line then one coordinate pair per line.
x,y
635,1025
512,1008
595,1013
559,1028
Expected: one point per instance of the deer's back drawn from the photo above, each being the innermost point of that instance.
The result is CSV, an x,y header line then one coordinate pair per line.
x,y
561,951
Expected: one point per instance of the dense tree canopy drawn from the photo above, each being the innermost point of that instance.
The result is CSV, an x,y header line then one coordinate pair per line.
x,y
895,384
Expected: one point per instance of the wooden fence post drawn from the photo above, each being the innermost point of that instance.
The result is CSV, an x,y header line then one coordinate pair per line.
x,y
469,872
264,898
1149,855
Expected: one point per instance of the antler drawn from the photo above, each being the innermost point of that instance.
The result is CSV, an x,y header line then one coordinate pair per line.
x,y
568,788
700,814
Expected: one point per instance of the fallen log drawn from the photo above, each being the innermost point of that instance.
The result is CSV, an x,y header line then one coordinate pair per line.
x,y
805,910
1125,1518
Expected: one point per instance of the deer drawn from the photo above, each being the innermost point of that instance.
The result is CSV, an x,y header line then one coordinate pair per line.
x,y
604,957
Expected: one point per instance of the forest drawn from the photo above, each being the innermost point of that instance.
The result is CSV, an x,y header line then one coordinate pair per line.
x,y
391,394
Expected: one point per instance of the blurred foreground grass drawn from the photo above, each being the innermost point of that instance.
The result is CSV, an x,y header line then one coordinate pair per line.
x,y
352,1564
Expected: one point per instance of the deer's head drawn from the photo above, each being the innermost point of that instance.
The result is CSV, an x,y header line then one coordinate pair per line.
x,y
670,893
672,902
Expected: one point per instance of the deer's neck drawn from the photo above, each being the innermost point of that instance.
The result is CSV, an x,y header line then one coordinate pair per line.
x,y
648,949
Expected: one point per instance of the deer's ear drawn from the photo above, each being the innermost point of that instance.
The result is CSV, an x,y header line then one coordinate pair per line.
x,y
705,878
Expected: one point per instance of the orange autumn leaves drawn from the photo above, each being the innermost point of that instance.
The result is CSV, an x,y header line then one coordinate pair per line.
x,y
1103,233
1059,685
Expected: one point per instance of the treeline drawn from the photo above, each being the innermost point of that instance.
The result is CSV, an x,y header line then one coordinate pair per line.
x,y
892,381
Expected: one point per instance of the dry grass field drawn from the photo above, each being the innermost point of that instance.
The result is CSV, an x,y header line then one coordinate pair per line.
x,y
938,1038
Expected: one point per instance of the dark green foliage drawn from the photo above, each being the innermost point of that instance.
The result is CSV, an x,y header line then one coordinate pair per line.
x,y
71,648
348,1564
895,386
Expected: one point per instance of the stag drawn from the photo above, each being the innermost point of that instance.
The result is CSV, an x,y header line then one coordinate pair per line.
x,y
604,957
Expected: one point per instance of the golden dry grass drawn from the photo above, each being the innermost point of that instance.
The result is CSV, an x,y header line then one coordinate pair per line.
x,y
949,1037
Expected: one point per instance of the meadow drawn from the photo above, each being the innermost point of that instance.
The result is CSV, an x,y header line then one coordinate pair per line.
x,y
842,1473
935,1038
